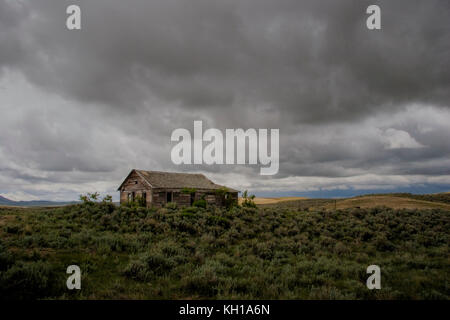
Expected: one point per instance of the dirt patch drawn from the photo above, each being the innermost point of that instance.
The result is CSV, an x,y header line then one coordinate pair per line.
x,y
5,219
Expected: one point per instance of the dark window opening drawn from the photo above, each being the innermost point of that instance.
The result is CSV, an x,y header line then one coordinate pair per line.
x,y
169,197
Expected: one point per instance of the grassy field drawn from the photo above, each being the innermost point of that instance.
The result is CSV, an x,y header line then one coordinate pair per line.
x,y
293,249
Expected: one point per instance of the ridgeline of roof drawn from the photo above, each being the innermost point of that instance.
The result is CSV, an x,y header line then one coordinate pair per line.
x,y
175,180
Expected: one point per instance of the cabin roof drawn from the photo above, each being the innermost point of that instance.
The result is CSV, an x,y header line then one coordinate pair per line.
x,y
175,180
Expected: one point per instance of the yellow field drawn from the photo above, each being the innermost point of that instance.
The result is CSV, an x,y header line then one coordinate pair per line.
x,y
369,201
259,200
388,201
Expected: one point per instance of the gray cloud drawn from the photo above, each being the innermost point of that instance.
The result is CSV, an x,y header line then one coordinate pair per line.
x,y
83,107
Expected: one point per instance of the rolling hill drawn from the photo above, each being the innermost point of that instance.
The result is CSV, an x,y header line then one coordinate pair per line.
x,y
33,203
394,200
265,252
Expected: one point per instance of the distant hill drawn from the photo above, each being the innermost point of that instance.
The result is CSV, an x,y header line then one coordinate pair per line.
x,y
391,201
4,201
394,200
33,203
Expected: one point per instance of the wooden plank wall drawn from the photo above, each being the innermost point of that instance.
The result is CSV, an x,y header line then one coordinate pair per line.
x,y
135,184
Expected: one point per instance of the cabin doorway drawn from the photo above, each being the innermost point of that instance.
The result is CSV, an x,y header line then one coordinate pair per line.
x,y
144,198
192,198
169,197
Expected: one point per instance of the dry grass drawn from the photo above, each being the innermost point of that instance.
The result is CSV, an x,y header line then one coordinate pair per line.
x,y
388,201
4,219
259,200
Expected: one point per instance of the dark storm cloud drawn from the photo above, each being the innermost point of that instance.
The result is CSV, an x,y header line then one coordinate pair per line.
x,y
348,101
310,60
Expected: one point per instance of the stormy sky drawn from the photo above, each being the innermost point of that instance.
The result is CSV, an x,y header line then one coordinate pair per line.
x,y
358,110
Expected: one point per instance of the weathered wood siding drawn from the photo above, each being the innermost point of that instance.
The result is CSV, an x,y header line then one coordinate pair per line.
x,y
184,199
135,184
158,197
179,197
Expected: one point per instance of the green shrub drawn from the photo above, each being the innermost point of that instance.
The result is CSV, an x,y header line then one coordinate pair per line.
x,y
201,203
171,205
244,252
189,211
31,280
13,229
247,200
204,281
6,259
151,264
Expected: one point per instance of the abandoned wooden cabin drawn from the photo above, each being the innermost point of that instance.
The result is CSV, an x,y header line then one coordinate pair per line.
x,y
159,188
